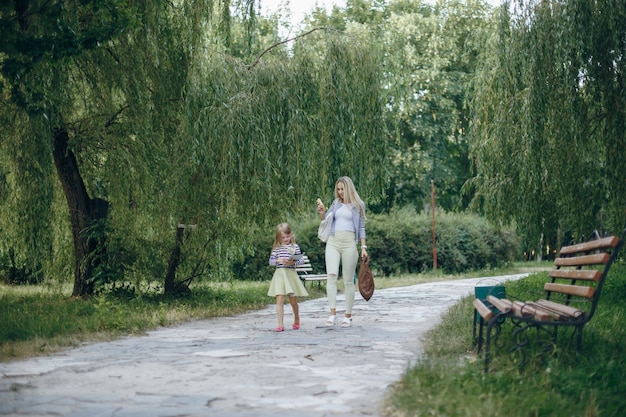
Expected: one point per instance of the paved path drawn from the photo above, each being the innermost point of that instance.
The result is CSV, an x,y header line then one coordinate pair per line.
x,y
237,366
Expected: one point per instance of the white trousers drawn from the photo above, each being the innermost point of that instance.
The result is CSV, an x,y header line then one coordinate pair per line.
x,y
341,248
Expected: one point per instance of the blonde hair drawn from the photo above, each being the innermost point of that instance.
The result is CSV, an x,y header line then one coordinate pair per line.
x,y
350,195
278,238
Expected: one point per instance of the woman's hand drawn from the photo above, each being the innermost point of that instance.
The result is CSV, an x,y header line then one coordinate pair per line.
x,y
363,252
321,209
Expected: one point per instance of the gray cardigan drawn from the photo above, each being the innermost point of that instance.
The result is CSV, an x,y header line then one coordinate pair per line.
x,y
359,222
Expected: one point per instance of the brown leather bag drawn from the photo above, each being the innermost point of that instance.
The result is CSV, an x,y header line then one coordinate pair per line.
x,y
366,279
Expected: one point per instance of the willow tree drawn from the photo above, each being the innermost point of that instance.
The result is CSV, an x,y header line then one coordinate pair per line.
x,y
430,55
49,97
264,138
550,115
142,119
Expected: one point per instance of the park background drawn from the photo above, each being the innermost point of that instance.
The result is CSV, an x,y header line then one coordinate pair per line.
x,y
163,143
149,150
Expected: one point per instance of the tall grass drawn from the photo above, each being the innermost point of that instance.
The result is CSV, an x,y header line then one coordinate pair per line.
x,y
449,380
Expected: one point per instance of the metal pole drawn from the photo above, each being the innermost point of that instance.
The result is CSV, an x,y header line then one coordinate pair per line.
x,y
432,208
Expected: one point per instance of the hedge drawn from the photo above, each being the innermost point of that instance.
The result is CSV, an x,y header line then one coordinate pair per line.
x,y
400,243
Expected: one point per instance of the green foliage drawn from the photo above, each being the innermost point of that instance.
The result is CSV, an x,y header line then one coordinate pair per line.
x,y
550,133
17,274
169,129
430,53
451,382
401,242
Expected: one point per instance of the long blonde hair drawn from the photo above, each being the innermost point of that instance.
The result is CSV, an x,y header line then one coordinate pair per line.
x,y
278,238
350,195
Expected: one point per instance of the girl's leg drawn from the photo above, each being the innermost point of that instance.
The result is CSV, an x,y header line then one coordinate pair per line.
x,y
280,310
293,300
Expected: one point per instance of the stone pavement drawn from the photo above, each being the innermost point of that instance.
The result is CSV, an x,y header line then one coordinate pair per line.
x,y
238,366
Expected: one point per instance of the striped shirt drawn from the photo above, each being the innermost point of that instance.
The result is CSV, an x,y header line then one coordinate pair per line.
x,y
285,252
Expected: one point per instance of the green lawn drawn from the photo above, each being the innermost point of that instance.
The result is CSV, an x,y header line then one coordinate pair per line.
x,y
451,381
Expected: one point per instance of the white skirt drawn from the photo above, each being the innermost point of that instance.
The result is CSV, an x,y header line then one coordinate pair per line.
x,y
286,282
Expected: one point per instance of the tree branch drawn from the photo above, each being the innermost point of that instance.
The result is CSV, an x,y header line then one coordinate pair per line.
x,y
285,41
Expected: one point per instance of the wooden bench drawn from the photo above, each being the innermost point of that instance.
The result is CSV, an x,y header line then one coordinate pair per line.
x,y
305,272
571,298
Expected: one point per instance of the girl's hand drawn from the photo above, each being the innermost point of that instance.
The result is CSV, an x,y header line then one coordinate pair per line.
x,y
363,252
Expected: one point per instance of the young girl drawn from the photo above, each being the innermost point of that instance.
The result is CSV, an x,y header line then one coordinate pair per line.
x,y
285,280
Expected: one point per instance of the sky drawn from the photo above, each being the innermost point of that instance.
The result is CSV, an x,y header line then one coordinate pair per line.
x,y
301,7
298,7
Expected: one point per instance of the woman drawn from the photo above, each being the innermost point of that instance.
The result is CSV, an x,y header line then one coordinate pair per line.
x,y
348,228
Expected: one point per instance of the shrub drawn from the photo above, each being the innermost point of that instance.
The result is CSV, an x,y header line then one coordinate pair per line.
x,y
401,242
14,273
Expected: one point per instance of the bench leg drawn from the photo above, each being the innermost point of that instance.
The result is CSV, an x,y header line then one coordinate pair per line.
x,y
579,338
477,332
541,342
494,328
488,347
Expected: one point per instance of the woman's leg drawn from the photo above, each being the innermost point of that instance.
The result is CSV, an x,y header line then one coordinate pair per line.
x,y
349,261
333,257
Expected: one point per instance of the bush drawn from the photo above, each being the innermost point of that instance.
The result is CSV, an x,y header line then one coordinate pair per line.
x,y
14,273
401,242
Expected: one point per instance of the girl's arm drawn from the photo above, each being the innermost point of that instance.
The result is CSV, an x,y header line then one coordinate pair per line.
x,y
274,257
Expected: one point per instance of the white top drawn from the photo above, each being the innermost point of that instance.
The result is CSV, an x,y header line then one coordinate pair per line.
x,y
343,220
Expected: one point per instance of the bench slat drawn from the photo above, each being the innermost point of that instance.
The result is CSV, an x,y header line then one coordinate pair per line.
x,y
305,269
501,304
323,277
596,259
579,274
577,290
563,309
517,306
528,309
607,242
484,311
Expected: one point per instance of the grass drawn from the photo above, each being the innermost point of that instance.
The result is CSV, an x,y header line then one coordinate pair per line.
x,y
449,380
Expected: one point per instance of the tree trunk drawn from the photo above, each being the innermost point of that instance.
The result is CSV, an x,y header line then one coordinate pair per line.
x,y
83,212
170,277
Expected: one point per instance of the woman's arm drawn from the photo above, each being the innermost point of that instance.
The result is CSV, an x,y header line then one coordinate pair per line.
x,y
362,232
